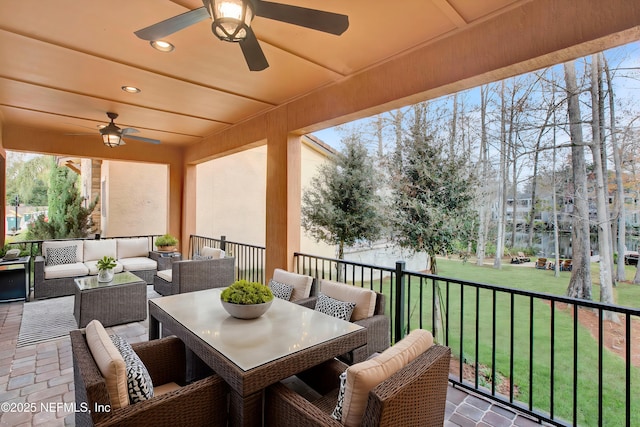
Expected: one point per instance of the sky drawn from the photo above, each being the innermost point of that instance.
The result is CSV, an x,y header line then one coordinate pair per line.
x,y
333,135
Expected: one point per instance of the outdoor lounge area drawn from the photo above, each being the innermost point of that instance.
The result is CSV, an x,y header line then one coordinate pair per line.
x,y
73,69
38,370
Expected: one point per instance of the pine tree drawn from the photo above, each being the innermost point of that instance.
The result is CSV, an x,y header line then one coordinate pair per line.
x,y
341,206
67,217
432,197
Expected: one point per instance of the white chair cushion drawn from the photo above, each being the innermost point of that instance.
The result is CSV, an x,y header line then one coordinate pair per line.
x,y
301,284
131,248
364,376
365,299
213,253
96,249
93,267
165,274
138,264
61,244
110,362
65,270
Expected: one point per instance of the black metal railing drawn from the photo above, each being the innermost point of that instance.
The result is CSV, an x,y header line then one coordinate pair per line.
x,y
530,351
249,259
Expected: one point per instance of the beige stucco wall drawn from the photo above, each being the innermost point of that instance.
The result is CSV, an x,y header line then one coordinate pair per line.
x,y
231,197
134,198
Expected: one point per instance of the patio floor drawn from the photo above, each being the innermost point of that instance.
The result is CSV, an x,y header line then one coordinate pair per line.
x,y
43,374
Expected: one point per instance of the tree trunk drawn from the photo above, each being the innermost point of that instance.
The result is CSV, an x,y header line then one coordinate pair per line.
x,y
484,180
617,161
502,183
604,226
580,283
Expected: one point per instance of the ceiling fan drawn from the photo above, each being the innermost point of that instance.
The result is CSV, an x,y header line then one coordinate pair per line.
x,y
232,22
112,135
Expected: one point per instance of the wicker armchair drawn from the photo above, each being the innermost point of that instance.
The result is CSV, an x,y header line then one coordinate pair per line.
x,y
200,403
195,275
414,396
378,330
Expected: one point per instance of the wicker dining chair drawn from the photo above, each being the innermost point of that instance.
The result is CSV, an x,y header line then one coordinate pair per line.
x,y
200,403
377,325
415,396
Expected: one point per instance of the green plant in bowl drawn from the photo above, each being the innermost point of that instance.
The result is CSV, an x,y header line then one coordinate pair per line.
x,y
166,242
245,292
106,263
246,300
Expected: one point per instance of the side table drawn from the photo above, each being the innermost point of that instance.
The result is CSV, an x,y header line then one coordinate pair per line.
x,y
15,279
165,259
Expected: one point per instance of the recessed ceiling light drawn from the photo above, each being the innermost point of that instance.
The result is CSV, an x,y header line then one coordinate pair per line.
x,y
162,45
130,89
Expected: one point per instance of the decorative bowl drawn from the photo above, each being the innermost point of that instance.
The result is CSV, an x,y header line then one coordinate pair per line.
x,y
246,311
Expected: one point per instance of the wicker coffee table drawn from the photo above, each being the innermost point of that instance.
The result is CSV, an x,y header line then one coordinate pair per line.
x,y
123,300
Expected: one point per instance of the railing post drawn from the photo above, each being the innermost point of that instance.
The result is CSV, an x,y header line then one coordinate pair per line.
x,y
400,293
223,243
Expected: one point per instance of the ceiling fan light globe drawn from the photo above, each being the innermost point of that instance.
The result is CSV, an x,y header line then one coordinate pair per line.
x,y
111,140
231,18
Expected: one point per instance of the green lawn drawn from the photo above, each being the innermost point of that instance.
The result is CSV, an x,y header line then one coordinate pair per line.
x,y
465,303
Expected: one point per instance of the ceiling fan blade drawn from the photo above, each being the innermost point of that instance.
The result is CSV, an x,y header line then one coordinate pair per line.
x,y
333,23
253,53
127,131
140,138
172,25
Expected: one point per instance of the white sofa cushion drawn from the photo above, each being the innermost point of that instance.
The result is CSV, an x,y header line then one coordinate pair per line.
x,y
65,270
138,264
166,274
93,267
132,248
96,249
61,244
211,253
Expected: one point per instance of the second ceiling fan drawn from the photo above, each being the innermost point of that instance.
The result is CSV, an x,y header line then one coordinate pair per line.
x,y
232,22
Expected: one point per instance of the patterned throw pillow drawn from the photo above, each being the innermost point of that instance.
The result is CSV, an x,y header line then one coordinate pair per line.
x,y
201,257
139,382
62,255
280,290
333,307
337,412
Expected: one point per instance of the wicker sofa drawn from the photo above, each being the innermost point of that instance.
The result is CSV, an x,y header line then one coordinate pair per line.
x,y
64,260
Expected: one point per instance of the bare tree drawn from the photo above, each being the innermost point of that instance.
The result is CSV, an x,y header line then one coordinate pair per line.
x,y
617,162
483,162
580,283
604,226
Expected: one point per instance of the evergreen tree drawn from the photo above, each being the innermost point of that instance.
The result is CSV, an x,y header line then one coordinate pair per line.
x,y
341,206
432,196
68,217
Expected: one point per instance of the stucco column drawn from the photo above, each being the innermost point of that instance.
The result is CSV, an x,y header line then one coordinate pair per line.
x,y
283,195
188,225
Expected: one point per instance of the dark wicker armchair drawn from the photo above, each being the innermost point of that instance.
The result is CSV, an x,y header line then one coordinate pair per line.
x,y
195,275
414,396
201,403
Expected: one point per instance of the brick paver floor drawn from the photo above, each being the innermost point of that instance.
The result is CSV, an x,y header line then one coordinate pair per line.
x,y
38,380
